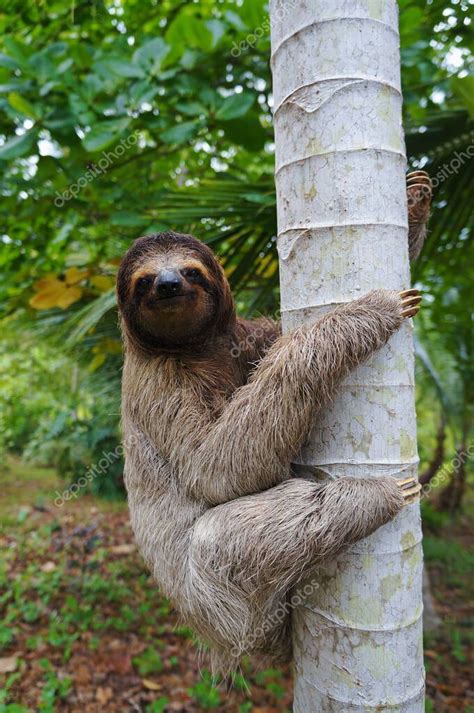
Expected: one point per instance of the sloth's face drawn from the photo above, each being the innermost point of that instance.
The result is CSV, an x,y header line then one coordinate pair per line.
x,y
173,296
172,292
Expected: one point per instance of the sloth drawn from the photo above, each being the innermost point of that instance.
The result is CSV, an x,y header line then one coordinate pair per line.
x,y
214,408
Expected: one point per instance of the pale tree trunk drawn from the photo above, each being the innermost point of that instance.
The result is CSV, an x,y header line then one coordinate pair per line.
x,y
342,224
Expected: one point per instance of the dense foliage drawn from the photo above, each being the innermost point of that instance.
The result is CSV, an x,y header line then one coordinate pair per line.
x,y
122,117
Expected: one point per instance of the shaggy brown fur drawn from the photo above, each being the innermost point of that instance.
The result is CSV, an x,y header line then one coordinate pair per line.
x,y
214,409
419,193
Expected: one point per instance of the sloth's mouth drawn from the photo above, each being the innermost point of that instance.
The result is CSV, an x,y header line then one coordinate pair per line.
x,y
171,299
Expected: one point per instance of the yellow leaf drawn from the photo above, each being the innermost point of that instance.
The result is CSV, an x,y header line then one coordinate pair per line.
x,y
68,297
51,291
55,293
270,270
73,275
123,549
45,282
151,685
83,413
97,361
104,283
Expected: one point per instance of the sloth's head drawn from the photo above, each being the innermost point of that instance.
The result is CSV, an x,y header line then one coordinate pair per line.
x,y
172,293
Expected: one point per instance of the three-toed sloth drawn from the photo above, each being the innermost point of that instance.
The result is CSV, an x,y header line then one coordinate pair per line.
x,y
210,431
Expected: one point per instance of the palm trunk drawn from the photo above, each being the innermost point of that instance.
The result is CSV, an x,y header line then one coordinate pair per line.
x,y
451,497
437,461
342,231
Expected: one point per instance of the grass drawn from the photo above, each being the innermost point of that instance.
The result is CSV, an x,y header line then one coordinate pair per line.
x,y
27,488
23,487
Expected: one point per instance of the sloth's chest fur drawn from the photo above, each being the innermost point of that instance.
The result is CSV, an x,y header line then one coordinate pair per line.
x,y
168,397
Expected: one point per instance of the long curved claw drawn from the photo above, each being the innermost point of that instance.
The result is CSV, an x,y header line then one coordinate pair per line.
x,y
411,300
419,191
407,482
410,488
419,194
418,172
420,177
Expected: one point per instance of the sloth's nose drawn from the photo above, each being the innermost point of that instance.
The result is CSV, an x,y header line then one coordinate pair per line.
x,y
168,283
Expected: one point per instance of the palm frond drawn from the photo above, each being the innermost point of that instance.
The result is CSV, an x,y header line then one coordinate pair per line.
x,y
424,359
89,317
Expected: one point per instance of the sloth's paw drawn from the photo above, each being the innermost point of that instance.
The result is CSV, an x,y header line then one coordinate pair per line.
x,y
410,302
419,194
410,488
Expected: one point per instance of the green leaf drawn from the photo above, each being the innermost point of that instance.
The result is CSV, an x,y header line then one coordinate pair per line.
x,y
47,87
464,89
186,31
122,69
22,105
253,13
18,146
410,21
149,661
190,59
81,109
81,54
158,706
6,61
151,55
209,97
248,132
17,50
236,20
11,86
261,198
129,219
104,134
142,92
191,108
60,120
235,106
217,29
180,133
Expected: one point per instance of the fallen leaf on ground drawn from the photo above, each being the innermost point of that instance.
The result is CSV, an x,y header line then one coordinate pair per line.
x,y
122,549
8,664
48,567
119,663
103,695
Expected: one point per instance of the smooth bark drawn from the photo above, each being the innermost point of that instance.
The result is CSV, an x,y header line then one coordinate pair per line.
x,y
342,231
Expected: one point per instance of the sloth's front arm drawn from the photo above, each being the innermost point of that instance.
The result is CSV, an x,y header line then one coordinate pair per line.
x,y
250,446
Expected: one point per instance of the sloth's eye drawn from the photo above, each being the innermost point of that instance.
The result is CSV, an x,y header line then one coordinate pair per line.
x,y
192,272
143,283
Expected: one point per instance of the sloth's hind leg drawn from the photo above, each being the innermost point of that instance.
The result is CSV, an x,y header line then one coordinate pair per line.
x,y
246,554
